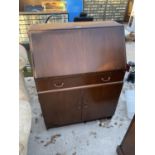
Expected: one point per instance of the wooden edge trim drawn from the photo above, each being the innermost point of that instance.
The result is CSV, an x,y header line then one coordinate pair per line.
x,y
79,87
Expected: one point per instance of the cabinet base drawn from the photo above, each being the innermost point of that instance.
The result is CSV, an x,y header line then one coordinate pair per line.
x,y
50,125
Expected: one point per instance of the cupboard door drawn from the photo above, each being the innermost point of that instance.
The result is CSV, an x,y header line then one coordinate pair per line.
x,y
100,101
60,108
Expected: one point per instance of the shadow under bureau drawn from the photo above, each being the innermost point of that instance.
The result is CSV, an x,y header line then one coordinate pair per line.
x,y
78,69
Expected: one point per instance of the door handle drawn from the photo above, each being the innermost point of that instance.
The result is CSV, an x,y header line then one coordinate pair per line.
x,y
59,85
106,80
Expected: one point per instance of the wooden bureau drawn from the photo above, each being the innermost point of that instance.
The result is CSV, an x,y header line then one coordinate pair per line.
x,y
78,69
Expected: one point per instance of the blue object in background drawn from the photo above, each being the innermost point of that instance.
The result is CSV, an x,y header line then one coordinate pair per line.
x,y
74,8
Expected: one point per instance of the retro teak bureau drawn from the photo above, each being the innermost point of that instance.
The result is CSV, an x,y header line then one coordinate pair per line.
x,y
78,69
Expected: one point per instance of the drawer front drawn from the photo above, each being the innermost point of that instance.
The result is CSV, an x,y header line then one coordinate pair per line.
x,y
43,84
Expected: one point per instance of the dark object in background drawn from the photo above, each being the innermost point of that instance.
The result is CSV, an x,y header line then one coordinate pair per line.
x,y
83,14
74,83
83,17
131,76
48,18
127,146
30,8
26,45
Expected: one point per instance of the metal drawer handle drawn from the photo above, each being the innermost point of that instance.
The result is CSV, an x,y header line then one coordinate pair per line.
x,y
59,85
106,80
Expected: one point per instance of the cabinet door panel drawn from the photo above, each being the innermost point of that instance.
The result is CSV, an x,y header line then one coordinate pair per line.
x,y
60,108
100,102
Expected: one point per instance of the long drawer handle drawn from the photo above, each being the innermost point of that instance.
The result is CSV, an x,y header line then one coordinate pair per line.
x,y
106,80
59,85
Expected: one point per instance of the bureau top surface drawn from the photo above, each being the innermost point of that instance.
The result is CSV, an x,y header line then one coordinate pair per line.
x,y
72,25
75,48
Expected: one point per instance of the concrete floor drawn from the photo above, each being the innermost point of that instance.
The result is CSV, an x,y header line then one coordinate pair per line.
x,y
99,137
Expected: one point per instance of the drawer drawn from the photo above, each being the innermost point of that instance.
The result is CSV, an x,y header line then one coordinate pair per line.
x,y
49,83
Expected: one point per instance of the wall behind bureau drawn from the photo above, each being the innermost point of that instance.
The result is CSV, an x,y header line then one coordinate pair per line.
x,y
106,9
